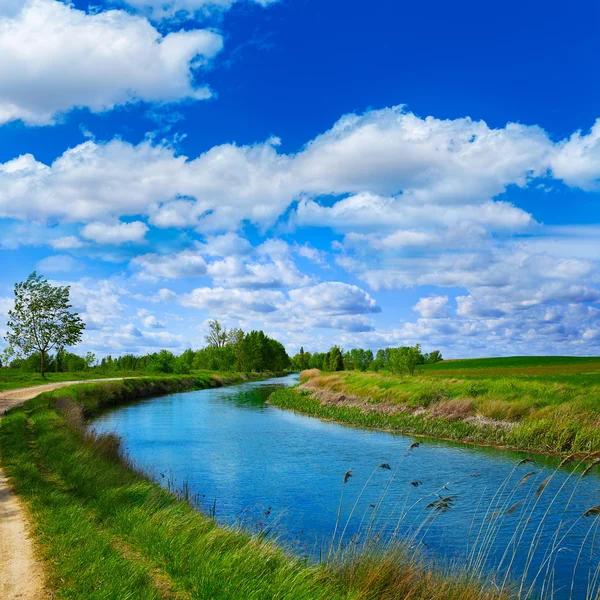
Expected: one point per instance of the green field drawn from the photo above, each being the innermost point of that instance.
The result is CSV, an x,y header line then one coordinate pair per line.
x,y
514,362
106,531
548,404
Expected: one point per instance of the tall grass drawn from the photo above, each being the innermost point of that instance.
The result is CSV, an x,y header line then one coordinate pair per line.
x,y
510,412
515,539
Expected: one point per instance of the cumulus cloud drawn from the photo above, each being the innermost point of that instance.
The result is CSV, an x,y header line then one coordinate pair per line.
x,y
233,302
188,263
54,58
151,322
432,306
334,298
115,233
98,302
577,160
233,272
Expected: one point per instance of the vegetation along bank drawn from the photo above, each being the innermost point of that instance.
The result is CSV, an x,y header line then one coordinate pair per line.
x,y
542,405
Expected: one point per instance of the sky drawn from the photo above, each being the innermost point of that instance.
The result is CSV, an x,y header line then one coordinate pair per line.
x,y
330,171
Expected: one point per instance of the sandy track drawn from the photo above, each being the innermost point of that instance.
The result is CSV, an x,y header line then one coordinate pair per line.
x,y
21,571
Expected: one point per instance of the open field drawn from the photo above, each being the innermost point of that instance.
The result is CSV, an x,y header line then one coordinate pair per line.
x,y
553,407
540,367
106,531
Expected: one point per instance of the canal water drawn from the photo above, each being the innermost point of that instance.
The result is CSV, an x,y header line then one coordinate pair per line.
x,y
280,473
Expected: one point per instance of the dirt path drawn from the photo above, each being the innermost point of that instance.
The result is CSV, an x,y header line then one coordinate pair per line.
x,y
21,572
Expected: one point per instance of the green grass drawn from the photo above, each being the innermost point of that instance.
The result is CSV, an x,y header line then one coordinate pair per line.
x,y
11,379
510,362
557,413
107,532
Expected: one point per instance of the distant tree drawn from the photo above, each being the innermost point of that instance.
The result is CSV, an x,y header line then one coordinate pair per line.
x,y
316,360
162,362
235,339
42,319
336,361
368,359
217,335
433,357
405,359
90,360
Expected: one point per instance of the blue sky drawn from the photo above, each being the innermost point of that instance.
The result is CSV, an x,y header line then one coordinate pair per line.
x,y
329,171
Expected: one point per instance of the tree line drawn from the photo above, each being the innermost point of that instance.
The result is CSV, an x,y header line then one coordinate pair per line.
x,y
404,359
226,350
42,321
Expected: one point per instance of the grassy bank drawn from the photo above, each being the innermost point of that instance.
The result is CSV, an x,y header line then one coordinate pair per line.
x,y
558,413
12,379
107,532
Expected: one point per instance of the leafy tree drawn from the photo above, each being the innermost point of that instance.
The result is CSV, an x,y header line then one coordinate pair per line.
x,y
336,362
90,360
433,357
217,335
162,362
42,319
316,361
235,339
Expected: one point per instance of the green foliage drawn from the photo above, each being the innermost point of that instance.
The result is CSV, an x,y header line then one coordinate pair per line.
x,y
536,412
402,360
42,319
336,362
229,350
301,361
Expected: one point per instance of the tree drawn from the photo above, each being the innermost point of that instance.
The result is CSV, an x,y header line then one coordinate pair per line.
x,y
90,360
433,357
235,339
217,335
336,361
42,319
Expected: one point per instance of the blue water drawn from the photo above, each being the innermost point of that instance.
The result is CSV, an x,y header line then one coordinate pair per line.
x,y
276,471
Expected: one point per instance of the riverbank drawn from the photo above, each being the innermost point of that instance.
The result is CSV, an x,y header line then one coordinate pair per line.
x,y
557,414
106,531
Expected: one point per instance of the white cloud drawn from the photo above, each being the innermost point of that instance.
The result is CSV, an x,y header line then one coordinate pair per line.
x,y
229,244
169,8
151,322
115,233
577,161
69,242
225,301
188,263
54,58
430,160
348,323
432,307
60,263
99,302
334,298
233,272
